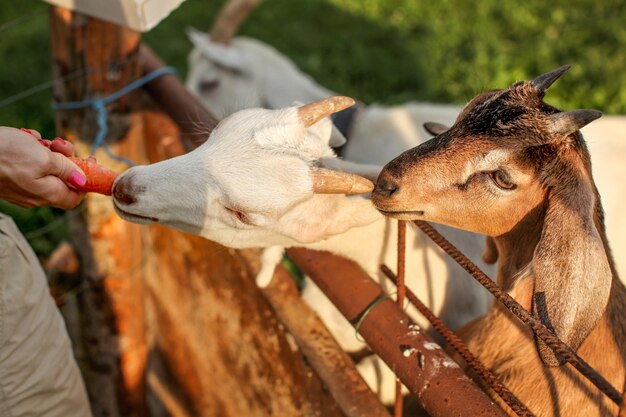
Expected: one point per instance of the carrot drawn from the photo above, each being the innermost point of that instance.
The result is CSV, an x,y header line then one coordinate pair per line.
x,y
99,179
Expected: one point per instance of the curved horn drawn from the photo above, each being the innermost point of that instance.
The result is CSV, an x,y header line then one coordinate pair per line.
x,y
314,112
435,128
570,121
544,81
229,18
328,181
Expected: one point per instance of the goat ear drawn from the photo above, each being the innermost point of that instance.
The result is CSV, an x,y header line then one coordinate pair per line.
x,y
336,138
325,131
567,122
321,131
435,128
572,273
198,38
224,55
315,117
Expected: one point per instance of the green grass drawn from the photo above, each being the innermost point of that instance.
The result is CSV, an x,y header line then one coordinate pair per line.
x,y
387,51
392,51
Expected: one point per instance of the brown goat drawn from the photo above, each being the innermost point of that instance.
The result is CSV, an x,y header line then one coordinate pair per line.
x,y
517,169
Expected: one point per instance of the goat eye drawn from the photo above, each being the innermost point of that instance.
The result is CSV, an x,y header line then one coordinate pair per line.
x,y
501,179
241,216
206,86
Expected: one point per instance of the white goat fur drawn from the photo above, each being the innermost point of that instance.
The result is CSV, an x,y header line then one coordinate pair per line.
x,y
252,74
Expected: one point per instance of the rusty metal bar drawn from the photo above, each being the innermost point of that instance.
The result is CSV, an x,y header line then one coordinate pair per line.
x,y
331,363
457,344
437,381
400,296
193,119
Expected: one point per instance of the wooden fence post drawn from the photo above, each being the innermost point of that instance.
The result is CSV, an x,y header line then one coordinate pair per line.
x,y
99,58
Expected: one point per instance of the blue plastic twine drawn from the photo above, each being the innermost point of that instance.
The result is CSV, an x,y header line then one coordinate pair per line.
x,y
99,105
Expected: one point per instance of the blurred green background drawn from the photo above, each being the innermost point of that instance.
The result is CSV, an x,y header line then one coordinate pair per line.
x,y
387,51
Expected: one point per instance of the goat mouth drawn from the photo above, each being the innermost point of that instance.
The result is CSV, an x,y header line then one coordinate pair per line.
x,y
134,218
403,215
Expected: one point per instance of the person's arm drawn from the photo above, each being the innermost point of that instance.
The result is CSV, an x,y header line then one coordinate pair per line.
x,y
35,175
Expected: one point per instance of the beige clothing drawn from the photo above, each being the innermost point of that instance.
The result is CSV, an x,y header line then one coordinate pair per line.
x,y
38,374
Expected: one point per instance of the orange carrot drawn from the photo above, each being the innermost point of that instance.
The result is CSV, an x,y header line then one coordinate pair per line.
x,y
99,179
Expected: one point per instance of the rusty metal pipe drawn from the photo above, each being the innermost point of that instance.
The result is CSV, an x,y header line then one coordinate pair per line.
x,y
401,294
438,382
331,363
193,119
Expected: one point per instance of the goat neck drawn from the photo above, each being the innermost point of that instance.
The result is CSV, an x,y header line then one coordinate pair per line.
x,y
515,248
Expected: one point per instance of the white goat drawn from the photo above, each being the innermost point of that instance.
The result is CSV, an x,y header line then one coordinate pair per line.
x,y
249,73
252,185
517,169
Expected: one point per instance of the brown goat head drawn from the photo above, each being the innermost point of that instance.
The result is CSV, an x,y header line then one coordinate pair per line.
x,y
508,157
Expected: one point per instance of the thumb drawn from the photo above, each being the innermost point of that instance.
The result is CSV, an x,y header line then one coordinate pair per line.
x,y
63,168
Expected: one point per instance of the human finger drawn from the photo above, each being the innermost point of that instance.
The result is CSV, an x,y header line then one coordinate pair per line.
x,y
62,146
66,170
32,132
58,194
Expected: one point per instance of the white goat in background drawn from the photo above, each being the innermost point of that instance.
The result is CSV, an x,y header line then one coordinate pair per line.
x,y
249,73
253,184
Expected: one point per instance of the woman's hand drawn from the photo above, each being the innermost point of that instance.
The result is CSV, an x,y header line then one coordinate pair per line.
x,y
35,175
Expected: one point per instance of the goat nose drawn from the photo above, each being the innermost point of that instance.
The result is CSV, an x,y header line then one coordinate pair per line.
x,y
385,187
123,190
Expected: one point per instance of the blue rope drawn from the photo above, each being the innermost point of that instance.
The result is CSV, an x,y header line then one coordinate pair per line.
x,y
99,105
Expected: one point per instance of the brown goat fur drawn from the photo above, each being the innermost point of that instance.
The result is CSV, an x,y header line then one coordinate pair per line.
x,y
518,170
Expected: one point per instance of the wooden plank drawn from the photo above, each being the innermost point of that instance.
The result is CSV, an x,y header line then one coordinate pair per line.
x,y
111,251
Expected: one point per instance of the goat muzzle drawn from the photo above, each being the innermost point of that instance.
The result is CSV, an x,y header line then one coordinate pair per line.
x,y
125,190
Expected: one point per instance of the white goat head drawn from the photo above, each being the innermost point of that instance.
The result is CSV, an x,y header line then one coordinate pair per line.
x,y
245,73
256,182
512,165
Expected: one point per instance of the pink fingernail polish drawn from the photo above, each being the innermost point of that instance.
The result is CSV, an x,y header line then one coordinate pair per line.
x,y
44,142
58,139
23,129
77,179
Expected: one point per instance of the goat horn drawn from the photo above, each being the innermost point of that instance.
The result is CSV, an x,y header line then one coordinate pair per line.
x,y
570,121
328,181
435,128
229,18
544,81
314,112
